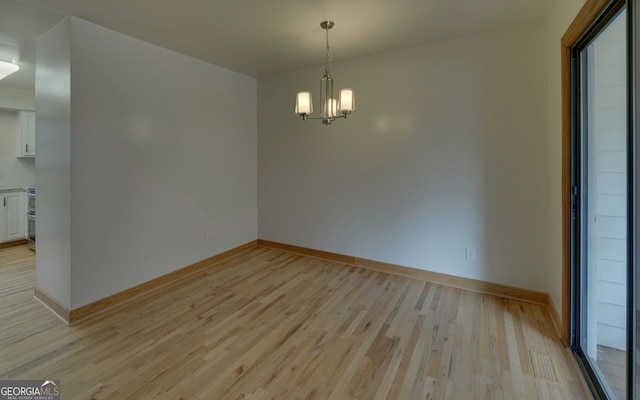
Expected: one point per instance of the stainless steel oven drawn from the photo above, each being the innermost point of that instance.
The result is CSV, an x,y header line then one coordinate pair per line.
x,y
31,217
31,199
31,226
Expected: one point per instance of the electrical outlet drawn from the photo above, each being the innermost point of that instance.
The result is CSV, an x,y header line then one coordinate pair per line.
x,y
207,237
471,253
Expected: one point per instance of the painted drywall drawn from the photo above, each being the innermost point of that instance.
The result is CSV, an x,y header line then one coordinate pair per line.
x,y
559,20
53,169
17,172
8,133
446,149
162,157
17,99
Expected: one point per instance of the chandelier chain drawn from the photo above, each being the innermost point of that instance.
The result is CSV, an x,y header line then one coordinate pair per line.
x,y
329,55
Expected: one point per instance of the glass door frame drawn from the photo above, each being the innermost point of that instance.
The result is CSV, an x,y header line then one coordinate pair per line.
x,y
601,19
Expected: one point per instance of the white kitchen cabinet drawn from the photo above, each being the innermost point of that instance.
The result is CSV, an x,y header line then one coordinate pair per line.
x,y
12,216
27,131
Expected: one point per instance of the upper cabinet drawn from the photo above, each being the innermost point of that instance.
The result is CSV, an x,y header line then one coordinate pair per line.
x,y
27,134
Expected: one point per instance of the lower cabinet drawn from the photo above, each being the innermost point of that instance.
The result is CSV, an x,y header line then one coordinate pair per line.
x,y
12,216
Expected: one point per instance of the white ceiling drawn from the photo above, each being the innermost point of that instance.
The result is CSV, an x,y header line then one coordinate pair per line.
x,y
262,37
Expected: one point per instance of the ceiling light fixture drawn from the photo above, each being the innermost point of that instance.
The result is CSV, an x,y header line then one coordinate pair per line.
x,y
7,68
330,108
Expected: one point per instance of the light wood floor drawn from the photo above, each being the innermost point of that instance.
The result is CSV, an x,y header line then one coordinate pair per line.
x,y
269,324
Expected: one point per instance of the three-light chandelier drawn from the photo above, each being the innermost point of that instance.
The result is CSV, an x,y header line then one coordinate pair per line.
x,y
330,107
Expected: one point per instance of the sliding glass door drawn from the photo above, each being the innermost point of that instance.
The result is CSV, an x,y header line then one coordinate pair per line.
x,y
602,204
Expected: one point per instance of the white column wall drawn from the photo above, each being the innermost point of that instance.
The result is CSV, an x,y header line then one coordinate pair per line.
x,y
160,163
53,168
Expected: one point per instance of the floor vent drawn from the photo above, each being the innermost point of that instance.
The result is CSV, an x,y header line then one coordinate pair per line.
x,y
543,366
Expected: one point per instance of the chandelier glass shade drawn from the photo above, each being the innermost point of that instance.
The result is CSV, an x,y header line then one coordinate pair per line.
x,y
330,106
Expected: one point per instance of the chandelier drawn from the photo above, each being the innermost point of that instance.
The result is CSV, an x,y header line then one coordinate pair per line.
x,y
330,107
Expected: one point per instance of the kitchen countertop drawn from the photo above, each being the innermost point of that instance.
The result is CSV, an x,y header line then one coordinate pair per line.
x,y
12,189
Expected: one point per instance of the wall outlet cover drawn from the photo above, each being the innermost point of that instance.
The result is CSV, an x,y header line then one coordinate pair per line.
x,y
471,253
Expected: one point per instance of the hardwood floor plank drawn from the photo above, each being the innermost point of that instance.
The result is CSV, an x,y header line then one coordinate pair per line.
x,y
271,324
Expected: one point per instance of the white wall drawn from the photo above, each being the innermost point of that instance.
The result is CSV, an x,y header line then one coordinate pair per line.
x,y
53,169
447,149
8,133
16,172
561,17
162,150
17,99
